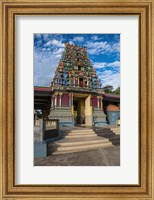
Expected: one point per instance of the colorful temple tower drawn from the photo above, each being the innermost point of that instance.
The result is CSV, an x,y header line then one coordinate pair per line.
x,y
77,94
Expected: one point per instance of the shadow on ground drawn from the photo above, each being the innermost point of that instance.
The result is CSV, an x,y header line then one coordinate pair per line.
x,y
97,157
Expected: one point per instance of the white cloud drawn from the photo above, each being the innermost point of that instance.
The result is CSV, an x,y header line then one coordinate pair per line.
x,y
44,69
110,78
100,65
114,64
59,51
54,43
70,42
43,49
78,39
94,37
38,35
102,47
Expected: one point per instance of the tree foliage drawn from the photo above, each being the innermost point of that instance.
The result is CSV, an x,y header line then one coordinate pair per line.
x,y
110,90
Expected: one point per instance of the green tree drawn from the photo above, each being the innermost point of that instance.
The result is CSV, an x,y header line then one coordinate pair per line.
x,y
117,91
108,89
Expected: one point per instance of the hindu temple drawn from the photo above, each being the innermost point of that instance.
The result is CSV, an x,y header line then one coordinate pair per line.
x,y
76,90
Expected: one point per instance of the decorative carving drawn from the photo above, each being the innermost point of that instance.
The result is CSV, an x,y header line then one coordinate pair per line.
x,y
75,62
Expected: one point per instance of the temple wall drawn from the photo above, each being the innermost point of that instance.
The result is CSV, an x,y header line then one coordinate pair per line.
x,y
88,111
113,113
94,101
65,99
38,130
63,114
99,117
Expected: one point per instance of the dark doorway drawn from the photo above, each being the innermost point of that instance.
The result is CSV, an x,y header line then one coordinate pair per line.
x,y
79,68
75,111
81,82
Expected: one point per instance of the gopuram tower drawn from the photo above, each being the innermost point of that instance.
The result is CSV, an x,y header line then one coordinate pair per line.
x,y
77,94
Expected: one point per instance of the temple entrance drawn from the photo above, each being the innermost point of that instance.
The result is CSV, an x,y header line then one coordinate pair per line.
x,y
79,110
82,109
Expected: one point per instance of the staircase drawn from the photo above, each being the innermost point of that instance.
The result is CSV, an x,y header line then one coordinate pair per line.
x,y
78,139
116,130
113,134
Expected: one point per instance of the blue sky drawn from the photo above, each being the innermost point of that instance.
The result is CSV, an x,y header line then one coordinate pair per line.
x,y
103,51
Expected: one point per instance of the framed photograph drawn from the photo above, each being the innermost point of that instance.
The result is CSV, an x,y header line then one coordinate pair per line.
x,y
77,99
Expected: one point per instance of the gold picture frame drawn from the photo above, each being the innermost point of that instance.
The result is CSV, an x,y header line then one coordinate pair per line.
x,y
145,11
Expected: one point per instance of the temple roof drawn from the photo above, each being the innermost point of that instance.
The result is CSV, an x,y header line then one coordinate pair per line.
x,y
42,98
75,69
41,88
111,97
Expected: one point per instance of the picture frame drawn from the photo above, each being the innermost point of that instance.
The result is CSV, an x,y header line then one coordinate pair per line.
x,y
10,9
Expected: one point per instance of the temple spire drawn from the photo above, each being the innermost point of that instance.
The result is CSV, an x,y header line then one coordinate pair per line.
x,y
75,69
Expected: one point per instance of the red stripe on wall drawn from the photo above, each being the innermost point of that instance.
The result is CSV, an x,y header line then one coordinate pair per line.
x,y
94,101
65,100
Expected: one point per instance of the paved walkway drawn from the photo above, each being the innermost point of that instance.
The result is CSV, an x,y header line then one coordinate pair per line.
x,y
97,157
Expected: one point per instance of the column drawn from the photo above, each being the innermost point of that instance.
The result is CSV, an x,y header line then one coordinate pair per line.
x,y
72,102
60,94
97,102
87,82
70,99
55,100
73,81
78,81
101,102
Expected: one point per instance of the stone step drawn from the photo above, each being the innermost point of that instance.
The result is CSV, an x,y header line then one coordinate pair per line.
x,y
103,130
79,150
79,147
78,131
108,135
116,142
73,142
79,135
115,137
68,151
117,133
115,129
83,139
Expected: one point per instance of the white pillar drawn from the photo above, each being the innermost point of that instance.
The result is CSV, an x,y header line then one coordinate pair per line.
x,y
74,81
87,83
70,99
98,102
101,102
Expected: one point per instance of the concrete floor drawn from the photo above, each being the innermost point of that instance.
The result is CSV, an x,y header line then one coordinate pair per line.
x,y
97,157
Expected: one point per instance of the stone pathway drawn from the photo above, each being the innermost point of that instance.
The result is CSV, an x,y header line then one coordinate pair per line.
x,y
97,157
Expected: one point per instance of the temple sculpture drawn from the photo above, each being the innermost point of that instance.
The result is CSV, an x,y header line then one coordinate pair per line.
x,y
76,90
